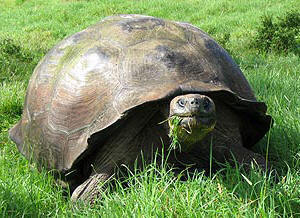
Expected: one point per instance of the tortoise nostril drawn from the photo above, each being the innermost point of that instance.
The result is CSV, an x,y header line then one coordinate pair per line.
x,y
195,101
206,104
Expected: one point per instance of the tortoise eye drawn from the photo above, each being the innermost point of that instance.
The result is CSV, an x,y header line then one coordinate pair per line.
x,y
206,104
181,102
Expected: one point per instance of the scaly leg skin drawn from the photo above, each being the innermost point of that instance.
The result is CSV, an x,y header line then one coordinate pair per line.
x,y
227,143
228,146
245,158
121,149
91,189
226,150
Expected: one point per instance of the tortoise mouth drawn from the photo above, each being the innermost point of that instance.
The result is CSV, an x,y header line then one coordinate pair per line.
x,y
190,129
193,120
193,115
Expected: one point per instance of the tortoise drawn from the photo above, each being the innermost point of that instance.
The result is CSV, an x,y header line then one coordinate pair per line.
x,y
98,100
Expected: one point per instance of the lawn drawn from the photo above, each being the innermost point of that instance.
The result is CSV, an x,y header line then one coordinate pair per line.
x,y
29,28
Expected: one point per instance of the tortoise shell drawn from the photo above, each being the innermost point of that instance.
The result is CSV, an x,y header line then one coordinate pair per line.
x,y
91,81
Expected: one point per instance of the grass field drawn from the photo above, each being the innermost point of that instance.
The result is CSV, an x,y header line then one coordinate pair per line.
x,y
29,28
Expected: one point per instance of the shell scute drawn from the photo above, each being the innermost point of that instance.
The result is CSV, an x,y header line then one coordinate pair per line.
x,y
90,81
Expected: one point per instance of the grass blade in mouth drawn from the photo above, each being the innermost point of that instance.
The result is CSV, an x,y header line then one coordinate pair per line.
x,y
174,122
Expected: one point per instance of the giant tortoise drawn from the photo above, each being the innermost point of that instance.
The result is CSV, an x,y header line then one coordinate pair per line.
x,y
99,99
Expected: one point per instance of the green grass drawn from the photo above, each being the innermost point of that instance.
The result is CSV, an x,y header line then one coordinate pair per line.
x,y
28,29
174,132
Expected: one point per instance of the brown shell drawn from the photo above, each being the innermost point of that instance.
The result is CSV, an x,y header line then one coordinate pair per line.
x,y
92,79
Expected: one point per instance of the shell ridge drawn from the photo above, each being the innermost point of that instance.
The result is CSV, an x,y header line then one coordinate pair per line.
x,y
151,60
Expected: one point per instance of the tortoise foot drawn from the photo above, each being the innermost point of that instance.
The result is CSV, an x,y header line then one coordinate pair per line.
x,y
91,189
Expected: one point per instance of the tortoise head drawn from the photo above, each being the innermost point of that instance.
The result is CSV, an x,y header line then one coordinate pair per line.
x,y
191,118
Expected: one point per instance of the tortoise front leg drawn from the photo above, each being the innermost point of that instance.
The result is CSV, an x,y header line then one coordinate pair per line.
x,y
245,157
91,188
122,148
